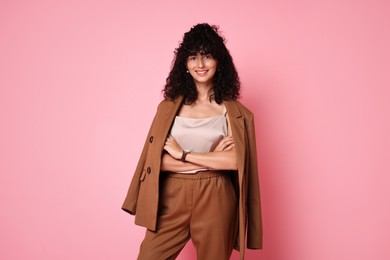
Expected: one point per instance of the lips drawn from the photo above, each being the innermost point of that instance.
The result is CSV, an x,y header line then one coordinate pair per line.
x,y
201,72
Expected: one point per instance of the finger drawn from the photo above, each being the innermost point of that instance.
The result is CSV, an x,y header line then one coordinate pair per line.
x,y
229,148
227,143
227,139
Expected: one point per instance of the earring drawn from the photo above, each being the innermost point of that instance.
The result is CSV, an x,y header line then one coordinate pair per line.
x,y
188,71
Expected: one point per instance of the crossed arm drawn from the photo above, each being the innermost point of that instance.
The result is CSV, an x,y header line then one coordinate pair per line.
x,y
223,157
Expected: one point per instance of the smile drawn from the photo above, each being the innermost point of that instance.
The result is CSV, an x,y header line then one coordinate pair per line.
x,y
201,72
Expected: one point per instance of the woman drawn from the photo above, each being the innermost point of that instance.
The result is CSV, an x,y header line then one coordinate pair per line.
x,y
197,175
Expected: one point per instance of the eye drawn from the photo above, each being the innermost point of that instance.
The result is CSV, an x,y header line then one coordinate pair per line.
x,y
208,56
192,58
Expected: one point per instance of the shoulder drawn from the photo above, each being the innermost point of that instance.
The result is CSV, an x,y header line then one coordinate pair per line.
x,y
244,110
169,103
163,103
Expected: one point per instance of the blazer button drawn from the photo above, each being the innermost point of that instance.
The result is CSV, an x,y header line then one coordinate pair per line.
x,y
151,139
148,170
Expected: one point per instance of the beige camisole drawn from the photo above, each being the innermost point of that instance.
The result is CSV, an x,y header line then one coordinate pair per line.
x,y
199,134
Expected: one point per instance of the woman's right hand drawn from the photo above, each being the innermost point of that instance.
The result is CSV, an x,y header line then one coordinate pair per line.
x,y
226,144
173,148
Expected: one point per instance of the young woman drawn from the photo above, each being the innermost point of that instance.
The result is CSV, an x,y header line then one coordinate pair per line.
x,y
197,175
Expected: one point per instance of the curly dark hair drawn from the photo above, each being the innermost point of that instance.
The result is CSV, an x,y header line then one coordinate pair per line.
x,y
203,39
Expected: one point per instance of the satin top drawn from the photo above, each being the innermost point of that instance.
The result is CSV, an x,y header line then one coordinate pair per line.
x,y
199,134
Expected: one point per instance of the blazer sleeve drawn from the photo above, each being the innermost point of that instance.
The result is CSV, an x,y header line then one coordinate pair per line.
x,y
255,229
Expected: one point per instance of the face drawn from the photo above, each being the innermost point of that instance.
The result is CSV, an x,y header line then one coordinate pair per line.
x,y
202,67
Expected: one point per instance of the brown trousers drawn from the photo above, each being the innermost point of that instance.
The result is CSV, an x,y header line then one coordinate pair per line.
x,y
201,207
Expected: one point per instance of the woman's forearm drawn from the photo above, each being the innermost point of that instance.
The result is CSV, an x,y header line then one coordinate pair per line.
x,y
219,160
222,158
168,163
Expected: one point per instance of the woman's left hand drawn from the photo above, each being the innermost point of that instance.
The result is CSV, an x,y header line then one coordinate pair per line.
x,y
226,144
173,148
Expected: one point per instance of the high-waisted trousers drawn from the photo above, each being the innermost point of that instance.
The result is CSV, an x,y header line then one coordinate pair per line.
x,y
201,207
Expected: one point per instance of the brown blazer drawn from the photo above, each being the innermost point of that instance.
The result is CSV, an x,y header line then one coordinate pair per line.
x,y
143,193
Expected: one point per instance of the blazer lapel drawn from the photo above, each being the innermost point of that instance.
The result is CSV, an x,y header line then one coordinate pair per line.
x,y
168,113
238,131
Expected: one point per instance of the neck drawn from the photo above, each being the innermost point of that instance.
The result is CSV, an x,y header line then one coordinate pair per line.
x,y
203,96
204,91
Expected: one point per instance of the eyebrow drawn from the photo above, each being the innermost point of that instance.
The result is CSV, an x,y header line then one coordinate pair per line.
x,y
201,52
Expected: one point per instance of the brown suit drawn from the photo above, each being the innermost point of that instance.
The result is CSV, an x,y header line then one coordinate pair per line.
x,y
143,194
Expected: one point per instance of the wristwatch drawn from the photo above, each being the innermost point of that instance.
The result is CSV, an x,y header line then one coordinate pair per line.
x,y
184,155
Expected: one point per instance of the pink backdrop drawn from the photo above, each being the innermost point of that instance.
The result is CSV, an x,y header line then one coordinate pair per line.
x,y
80,82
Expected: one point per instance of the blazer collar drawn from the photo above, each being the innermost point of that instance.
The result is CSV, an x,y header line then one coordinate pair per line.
x,y
173,107
231,107
170,109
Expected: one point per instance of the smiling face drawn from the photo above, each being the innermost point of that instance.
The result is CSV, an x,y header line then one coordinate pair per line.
x,y
202,68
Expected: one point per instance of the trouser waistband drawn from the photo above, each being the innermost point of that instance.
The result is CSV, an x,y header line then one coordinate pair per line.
x,y
196,176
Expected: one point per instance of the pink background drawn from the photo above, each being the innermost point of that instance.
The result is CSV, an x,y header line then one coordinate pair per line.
x,y
81,80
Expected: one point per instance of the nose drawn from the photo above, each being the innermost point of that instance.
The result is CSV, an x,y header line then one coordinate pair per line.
x,y
200,63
